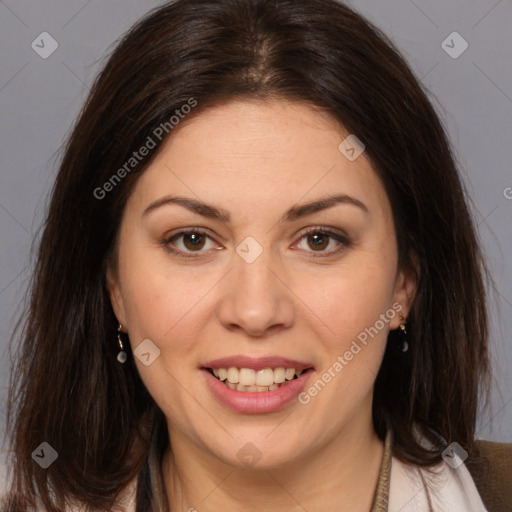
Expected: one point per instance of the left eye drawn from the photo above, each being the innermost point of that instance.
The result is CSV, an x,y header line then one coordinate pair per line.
x,y
319,240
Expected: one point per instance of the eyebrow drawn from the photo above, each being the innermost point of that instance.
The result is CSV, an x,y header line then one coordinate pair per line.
x,y
292,214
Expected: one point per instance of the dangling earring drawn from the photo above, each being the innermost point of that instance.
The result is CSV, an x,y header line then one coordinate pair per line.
x,y
403,345
121,357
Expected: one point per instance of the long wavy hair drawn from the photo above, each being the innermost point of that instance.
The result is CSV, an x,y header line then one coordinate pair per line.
x,y
67,388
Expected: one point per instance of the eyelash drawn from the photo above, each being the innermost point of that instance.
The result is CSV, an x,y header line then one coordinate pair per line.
x,y
342,239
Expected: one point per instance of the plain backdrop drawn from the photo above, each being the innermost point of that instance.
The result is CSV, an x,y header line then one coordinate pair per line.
x,y
470,87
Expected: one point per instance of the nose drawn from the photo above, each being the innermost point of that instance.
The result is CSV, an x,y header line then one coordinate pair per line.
x,y
255,297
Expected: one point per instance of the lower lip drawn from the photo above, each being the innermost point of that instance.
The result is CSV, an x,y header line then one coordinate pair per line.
x,y
257,402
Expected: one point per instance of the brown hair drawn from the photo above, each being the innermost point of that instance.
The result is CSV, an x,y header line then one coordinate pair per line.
x,y
67,387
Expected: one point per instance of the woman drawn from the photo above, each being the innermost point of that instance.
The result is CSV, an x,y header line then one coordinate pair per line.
x,y
187,349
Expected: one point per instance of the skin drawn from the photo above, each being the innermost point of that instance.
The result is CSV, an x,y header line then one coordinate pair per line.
x,y
293,301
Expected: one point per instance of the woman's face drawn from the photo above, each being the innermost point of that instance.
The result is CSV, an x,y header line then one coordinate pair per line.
x,y
248,288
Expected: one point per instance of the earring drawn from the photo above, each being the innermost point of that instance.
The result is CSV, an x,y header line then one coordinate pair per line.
x,y
403,345
121,357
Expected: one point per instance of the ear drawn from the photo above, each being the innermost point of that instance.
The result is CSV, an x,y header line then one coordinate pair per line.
x,y
405,291
116,297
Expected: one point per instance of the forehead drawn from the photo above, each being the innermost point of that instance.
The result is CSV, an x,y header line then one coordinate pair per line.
x,y
246,152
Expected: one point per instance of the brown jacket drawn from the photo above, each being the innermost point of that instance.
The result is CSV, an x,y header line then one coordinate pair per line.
x,y
491,469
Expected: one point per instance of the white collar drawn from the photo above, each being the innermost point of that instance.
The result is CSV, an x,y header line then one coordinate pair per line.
x,y
413,489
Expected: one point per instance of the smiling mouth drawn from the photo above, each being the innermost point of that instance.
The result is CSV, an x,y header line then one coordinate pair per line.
x,y
256,381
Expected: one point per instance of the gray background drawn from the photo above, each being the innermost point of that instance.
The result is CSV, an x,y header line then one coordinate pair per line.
x,y
40,98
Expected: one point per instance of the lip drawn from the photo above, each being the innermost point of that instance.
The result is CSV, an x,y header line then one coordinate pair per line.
x,y
257,402
259,363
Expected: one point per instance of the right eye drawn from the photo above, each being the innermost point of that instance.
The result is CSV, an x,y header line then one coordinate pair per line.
x,y
193,241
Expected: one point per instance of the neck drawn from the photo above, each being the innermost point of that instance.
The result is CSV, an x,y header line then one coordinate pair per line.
x,y
342,471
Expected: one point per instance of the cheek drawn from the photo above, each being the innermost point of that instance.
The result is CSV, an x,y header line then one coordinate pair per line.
x,y
351,329
166,309
353,345
350,299
159,302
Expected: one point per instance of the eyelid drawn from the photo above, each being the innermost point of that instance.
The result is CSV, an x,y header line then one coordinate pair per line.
x,y
328,230
335,233
185,231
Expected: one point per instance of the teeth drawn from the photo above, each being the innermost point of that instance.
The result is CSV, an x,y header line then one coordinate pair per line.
x,y
264,377
279,375
290,372
233,375
247,379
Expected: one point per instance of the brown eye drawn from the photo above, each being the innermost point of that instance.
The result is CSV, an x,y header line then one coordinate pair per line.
x,y
193,241
186,243
319,241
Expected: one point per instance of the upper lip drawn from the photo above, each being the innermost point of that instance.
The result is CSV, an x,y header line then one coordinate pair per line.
x,y
257,363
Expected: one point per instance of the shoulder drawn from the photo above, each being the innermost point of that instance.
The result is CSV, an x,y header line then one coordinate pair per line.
x,y
490,465
438,487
